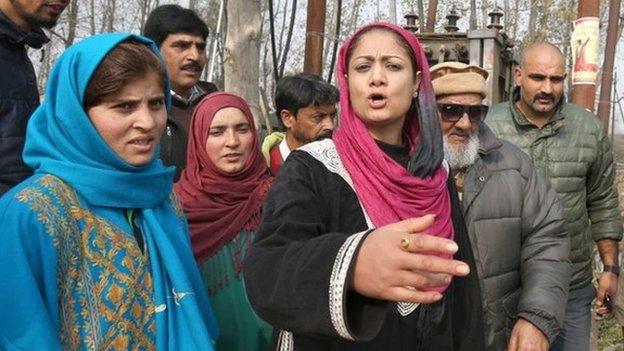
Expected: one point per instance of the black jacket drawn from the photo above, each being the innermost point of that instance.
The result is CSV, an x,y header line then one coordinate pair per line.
x,y
520,244
298,271
18,98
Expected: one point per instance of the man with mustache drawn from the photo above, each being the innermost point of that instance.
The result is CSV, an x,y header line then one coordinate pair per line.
x,y
306,109
21,23
569,145
518,239
181,36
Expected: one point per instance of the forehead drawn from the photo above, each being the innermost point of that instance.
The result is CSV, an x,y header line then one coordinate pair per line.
x,y
150,84
228,116
324,109
461,99
543,61
378,42
174,37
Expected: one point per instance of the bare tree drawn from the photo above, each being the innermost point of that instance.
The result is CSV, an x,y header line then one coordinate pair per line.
x,y
242,49
108,20
421,14
338,20
92,16
144,9
72,21
533,12
473,14
291,27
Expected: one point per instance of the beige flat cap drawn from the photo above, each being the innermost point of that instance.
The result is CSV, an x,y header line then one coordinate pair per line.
x,y
453,77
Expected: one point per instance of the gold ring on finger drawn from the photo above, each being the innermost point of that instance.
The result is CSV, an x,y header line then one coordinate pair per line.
x,y
405,243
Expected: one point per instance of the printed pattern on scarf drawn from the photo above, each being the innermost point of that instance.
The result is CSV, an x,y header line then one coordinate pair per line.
x,y
104,282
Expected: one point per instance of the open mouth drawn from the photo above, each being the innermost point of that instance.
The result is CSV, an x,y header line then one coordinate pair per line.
x,y
142,142
377,100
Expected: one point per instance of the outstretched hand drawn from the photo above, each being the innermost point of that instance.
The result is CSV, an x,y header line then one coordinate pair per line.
x,y
386,270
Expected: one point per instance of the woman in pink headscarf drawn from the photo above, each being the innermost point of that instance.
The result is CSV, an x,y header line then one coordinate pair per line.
x,y
356,247
221,191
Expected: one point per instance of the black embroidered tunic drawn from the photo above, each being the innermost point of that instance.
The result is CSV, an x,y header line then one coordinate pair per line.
x,y
299,272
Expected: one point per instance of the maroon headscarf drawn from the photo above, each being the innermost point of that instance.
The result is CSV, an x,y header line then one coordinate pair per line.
x,y
388,192
219,205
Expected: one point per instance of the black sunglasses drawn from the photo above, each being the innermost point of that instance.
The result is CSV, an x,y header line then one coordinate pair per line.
x,y
452,113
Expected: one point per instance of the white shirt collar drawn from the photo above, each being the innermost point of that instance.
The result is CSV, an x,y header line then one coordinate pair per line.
x,y
283,148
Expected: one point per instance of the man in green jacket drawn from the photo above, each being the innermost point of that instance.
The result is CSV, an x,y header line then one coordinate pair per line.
x,y
569,145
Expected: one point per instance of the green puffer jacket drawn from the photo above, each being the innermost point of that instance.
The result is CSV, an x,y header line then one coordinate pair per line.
x,y
573,152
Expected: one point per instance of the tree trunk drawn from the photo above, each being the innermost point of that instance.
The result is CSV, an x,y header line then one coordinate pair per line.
x,y
393,11
546,14
144,9
242,52
286,49
473,14
432,11
109,16
92,16
72,21
421,15
514,23
484,13
332,63
355,14
532,19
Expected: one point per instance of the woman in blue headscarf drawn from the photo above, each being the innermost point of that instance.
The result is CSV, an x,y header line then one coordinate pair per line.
x,y
94,248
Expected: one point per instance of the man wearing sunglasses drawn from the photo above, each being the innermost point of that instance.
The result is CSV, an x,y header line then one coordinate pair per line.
x,y
514,220
571,148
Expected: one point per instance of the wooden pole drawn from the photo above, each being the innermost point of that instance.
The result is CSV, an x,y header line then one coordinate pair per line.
x,y
431,16
607,67
584,95
315,26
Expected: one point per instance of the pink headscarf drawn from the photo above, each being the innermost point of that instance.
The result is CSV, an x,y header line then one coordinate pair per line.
x,y
388,192
219,205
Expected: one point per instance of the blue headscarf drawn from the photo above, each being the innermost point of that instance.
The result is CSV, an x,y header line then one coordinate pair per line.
x,y
61,140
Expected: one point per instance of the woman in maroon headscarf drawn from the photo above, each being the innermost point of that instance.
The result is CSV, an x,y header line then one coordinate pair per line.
x,y
222,190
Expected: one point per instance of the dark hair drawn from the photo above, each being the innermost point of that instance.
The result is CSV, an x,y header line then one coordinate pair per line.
x,y
303,90
172,19
126,62
405,45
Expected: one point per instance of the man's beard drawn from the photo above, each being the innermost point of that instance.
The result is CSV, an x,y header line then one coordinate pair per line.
x,y
38,22
464,155
34,21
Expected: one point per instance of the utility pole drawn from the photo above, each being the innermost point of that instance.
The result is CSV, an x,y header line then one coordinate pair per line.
x,y
607,67
315,27
431,16
584,42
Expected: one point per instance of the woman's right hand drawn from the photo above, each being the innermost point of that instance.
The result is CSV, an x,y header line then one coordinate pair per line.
x,y
385,270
